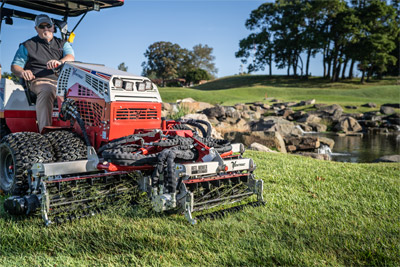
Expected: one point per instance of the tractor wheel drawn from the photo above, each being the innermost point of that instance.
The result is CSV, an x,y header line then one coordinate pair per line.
x,y
67,146
18,152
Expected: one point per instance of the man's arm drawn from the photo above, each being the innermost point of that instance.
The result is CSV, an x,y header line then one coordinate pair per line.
x,y
18,64
68,55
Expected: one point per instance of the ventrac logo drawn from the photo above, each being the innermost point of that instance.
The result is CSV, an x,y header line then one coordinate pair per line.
x,y
235,164
74,73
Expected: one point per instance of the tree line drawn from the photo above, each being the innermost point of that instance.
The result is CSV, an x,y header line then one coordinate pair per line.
x,y
361,33
168,61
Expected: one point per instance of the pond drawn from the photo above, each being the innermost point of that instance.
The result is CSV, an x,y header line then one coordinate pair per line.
x,y
367,148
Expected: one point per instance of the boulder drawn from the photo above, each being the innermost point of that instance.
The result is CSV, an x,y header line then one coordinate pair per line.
x,y
327,141
303,142
305,127
185,100
315,155
214,133
166,106
307,102
369,105
387,110
394,119
309,118
348,124
392,105
318,127
195,106
269,139
351,107
231,112
333,111
390,158
251,115
260,147
276,124
217,112
226,127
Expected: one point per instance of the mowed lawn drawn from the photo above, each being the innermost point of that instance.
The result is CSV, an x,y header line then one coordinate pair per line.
x,y
316,213
242,89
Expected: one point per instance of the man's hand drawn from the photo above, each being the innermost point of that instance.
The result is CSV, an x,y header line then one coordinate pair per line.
x,y
27,75
52,64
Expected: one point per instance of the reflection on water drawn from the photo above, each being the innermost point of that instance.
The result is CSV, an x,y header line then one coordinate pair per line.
x,y
364,149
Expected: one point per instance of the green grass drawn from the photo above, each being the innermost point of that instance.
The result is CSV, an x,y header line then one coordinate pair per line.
x,y
240,89
316,213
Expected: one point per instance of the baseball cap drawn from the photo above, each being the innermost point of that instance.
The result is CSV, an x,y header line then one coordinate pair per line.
x,y
42,18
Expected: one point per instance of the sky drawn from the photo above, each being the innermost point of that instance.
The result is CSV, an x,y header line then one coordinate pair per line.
x,y
122,34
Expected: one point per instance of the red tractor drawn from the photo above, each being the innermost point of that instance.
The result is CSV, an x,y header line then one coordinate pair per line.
x,y
108,144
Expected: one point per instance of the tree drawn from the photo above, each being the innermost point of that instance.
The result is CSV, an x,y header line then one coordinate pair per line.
x,y
379,32
164,60
10,76
197,75
123,67
202,58
259,45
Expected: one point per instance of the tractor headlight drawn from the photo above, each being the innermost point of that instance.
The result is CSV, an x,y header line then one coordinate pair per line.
x,y
128,86
144,86
140,86
118,83
148,85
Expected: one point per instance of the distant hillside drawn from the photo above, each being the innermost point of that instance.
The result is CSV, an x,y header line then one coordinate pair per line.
x,y
285,81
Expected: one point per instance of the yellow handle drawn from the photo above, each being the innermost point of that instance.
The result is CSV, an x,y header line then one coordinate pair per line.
x,y
71,37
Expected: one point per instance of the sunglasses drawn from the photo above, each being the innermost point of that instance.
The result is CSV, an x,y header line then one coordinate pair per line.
x,y
48,26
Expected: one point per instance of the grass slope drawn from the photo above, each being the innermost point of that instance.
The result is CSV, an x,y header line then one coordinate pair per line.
x,y
239,89
317,213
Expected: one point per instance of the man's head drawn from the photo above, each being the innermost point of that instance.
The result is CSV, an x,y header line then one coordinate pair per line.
x,y
44,27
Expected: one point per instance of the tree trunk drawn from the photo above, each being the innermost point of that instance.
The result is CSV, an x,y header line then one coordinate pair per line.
x,y
344,68
362,76
270,65
308,62
351,69
369,73
325,61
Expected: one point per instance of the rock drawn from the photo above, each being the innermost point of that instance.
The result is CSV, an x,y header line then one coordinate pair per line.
x,y
291,148
303,142
251,115
195,106
387,110
185,100
226,127
393,105
217,112
260,147
307,102
298,114
232,112
327,141
285,113
305,127
315,155
350,107
369,105
309,118
214,133
276,124
348,124
394,119
318,127
317,106
269,139
255,108
239,107
166,106
334,111
390,158
266,106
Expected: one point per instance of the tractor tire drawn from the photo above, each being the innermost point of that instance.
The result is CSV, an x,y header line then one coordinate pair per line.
x,y
68,146
18,152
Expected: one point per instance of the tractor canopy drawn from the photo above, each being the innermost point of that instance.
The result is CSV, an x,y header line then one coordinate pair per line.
x,y
63,7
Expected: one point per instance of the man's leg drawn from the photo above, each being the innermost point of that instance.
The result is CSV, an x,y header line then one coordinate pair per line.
x,y
45,89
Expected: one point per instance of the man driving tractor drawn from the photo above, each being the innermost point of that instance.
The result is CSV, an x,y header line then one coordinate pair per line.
x,y
34,62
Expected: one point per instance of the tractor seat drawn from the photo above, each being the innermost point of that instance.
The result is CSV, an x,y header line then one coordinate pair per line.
x,y
30,96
